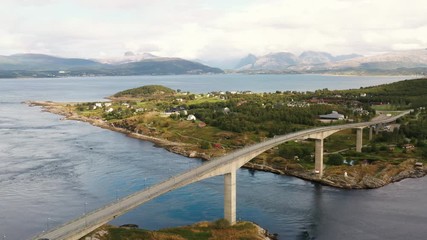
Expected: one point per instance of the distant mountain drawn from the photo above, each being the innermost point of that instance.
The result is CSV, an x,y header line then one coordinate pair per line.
x,y
401,62
129,57
41,62
387,61
247,61
163,66
39,65
311,57
271,61
347,57
288,61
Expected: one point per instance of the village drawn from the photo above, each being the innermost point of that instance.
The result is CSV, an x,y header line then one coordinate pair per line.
x,y
212,124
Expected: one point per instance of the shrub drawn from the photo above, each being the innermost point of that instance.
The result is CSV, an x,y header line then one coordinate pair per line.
x,y
221,224
335,159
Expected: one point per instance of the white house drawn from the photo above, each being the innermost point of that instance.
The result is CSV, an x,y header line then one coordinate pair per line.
x,y
226,110
191,117
98,104
109,110
108,104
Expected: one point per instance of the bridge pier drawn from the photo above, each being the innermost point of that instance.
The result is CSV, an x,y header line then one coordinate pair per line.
x,y
359,140
230,197
318,157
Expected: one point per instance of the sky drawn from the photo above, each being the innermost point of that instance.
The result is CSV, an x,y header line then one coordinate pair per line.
x,y
215,31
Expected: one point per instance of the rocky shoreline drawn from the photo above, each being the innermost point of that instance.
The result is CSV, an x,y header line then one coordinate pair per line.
x,y
338,181
126,230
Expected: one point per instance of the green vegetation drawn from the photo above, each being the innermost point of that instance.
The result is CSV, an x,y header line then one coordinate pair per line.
x,y
335,159
399,95
145,90
218,230
215,123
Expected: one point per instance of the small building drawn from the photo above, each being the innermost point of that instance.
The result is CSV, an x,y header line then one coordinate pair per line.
x,y
332,116
108,104
109,110
408,146
418,165
191,117
226,110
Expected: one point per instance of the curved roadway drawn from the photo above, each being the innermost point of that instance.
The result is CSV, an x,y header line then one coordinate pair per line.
x,y
80,227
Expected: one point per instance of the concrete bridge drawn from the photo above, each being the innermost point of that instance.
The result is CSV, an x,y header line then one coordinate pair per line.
x,y
226,165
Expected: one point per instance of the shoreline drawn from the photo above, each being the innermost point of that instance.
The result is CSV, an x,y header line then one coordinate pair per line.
x,y
368,182
245,229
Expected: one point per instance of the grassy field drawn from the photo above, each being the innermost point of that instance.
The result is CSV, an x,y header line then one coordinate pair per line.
x,y
218,230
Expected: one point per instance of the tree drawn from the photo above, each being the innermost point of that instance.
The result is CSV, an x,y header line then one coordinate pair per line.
x,y
335,159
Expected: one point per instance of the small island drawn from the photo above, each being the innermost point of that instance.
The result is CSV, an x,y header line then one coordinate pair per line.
x,y
213,124
219,229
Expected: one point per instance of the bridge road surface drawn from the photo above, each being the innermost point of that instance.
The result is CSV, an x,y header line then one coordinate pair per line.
x,y
85,224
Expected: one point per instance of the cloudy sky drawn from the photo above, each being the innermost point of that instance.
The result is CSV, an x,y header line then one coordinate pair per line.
x,y
210,29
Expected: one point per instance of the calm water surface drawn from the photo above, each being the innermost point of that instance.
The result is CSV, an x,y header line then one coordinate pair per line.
x,y
52,170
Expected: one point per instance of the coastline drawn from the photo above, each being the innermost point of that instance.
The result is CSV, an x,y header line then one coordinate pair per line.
x,y
338,181
242,230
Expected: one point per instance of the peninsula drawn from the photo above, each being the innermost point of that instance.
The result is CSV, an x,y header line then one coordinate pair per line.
x,y
212,124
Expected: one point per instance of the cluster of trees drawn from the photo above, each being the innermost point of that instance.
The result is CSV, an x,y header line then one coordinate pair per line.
x,y
412,93
302,151
145,90
275,118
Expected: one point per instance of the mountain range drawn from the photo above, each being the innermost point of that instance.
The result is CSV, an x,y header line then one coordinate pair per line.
x,y
403,62
40,65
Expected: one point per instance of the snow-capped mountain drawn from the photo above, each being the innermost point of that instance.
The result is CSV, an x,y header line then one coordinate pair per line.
x,y
129,57
311,61
393,60
286,60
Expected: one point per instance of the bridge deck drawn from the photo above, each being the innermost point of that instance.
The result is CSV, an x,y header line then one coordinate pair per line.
x,y
83,225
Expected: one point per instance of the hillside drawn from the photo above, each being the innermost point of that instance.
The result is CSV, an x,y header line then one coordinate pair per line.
x,y
406,94
144,90
393,63
40,62
289,61
162,66
39,65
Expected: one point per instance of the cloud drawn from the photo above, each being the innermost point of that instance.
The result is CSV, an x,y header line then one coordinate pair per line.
x,y
210,29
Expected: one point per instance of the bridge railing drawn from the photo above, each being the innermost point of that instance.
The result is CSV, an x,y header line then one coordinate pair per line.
x,y
183,178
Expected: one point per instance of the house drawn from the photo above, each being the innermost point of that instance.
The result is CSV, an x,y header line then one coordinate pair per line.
x,y
109,110
98,105
108,104
408,146
191,117
332,116
226,110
